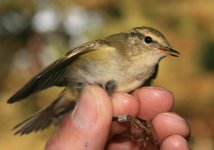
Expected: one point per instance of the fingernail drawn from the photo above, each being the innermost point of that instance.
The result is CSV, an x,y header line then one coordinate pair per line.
x,y
152,90
173,115
156,92
156,88
86,111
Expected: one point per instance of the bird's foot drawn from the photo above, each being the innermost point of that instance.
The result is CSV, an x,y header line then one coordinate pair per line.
x,y
140,130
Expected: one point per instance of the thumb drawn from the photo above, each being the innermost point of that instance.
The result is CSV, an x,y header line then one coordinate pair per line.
x,y
87,127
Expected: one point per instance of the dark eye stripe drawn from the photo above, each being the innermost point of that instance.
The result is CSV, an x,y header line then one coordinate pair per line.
x,y
137,34
141,36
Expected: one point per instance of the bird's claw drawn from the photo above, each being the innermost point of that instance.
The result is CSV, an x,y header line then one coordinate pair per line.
x,y
140,130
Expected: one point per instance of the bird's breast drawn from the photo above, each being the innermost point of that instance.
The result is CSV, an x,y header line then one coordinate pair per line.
x,y
94,68
136,78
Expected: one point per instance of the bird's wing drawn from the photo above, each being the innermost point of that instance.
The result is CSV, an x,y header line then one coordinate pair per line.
x,y
53,75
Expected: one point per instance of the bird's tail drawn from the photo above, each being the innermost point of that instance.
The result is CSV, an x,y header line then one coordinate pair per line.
x,y
45,117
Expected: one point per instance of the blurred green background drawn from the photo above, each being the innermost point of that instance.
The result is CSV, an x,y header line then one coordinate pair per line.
x,y
33,33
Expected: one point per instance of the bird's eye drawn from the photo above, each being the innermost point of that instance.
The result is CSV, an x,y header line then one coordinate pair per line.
x,y
148,39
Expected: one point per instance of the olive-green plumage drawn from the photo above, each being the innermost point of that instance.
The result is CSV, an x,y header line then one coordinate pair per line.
x,y
121,62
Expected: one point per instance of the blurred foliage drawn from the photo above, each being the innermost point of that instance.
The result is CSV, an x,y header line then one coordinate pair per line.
x,y
33,33
207,61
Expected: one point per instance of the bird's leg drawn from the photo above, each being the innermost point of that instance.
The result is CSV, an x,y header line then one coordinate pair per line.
x,y
141,130
110,87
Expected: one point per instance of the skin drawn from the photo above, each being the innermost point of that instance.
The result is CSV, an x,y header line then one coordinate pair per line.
x,y
90,125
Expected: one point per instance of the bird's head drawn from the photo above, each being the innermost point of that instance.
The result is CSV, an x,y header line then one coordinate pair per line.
x,y
149,40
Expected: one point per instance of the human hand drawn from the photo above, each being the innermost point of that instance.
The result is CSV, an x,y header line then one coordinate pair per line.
x,y
90,125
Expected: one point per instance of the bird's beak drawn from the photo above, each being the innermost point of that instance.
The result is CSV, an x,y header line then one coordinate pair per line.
x,y
169,51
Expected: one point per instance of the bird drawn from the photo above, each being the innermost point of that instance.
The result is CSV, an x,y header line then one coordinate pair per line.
x,y
121,62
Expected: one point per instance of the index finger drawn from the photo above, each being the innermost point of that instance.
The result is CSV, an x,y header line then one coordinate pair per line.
x,y
152,101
